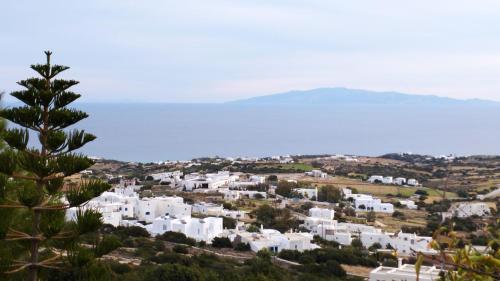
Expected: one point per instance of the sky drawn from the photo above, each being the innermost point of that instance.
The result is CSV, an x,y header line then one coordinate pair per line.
x,y
215,51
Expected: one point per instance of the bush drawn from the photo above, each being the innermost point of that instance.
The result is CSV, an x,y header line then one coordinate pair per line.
x,y
169,272
390,263
329,193
181,249
422,192
108,244
258,196
399,215
375,246
356,243
228,223
228,206
291,255
242,247
131,231
177,237
119,268
221,242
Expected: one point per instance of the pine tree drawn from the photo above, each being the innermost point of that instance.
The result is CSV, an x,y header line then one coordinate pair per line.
x,y
33,199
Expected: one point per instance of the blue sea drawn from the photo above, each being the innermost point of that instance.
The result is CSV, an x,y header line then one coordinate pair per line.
x,y
159,132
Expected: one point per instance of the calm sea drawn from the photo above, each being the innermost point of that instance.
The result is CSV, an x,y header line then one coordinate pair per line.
x,y
158,132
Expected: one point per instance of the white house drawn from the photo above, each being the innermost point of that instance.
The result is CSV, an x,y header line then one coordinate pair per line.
x,y
204,229
151,208
322,213
373,204
376,178
409,204
404,272
207,181
412,182
239,194
275,241
468,209
320,221
168,177
209,209
387,180
307,192
400,181
316,174
235,214
406,244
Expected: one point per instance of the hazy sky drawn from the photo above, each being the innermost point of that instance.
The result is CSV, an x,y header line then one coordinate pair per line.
x,y
211,50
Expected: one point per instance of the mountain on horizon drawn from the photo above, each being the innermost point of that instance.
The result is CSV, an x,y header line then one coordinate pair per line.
x,y
345,96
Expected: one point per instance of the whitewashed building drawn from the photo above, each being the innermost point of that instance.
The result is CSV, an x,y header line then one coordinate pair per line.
x,y
400,181
151,208
232,195
368,203
316,174
410,204
204,229
468,209
275,241
307,192
209,181
208,209
406,244
412,182
376,179
404,272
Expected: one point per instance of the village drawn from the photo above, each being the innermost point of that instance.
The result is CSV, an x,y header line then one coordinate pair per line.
x,y
214,206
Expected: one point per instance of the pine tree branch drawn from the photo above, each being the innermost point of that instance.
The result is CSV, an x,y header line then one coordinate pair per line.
x,y
24,177
14,235
12,206
51,208
24,266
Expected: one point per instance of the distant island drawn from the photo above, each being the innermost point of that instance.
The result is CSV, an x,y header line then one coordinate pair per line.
x,y
345,96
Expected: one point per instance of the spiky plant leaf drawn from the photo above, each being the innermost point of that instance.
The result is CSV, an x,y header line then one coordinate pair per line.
x,y
9,162
28,117
29,195
70,164
80,257
65,98
55,140
88,220
16,138
77,139
31,160
52,222
54,186
61,118
78,195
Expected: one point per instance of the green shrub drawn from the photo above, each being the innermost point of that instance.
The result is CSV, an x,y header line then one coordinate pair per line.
x,y
221,242
181,249
242,247
108,244
177,237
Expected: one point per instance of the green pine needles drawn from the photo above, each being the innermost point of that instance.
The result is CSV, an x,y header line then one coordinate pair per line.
x,y
35,239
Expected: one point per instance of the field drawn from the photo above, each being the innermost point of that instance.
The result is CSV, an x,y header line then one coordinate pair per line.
x,y
379,190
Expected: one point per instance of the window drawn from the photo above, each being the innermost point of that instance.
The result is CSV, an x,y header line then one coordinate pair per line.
x,y
147,213
164,227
